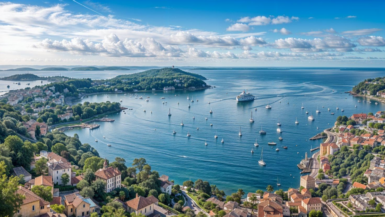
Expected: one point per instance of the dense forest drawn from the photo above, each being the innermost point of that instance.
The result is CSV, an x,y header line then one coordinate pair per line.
x,y
23,77
372,85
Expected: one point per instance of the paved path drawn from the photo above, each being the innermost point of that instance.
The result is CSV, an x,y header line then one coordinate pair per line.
x,y
191,203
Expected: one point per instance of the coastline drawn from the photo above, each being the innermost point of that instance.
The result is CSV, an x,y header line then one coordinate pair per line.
x,y
382,100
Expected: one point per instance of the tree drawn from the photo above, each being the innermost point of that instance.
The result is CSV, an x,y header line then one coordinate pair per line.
x,y
65,178
315,213
162,198
153,192
122,195
43,192
139,163
188,183
260,192
270,188
221,213
87,192
372,202
41,166
10,201
37,131
93,163
58,148
378,207
89,176
253,200
58,208
94,214
98,185
82,184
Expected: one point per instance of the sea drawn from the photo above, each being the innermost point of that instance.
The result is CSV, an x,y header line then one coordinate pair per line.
x,y
146,131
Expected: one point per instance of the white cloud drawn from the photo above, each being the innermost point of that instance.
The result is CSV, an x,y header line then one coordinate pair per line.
x,y
331,30
238,27
361,31
372,41
312,33
351,17
263,20
310,18
283,31
98,6
336,43
228,20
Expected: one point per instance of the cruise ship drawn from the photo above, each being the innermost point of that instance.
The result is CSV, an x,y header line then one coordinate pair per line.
x,y
243,97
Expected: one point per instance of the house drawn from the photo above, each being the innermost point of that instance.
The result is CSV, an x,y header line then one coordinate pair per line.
x,y
376,175
237,213
31,128
111,175
313,203
306,193
142,205
269,208
360,201
359,185
219,203
307,182
328,149
166,185
76,179
76,205
231,205
249,195
65,116
21,171
358,118
32,205
56,170
45,181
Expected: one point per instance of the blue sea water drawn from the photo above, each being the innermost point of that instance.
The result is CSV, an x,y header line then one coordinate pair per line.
x,y
231,165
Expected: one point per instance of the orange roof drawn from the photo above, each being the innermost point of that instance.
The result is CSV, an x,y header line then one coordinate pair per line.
x,y
212,213
350,127
107,173
336,181
56,200
313,200
44,180
139,202
382,180
359,185
367,135
30,197
333,145
305,191
326,167
307,178
324,144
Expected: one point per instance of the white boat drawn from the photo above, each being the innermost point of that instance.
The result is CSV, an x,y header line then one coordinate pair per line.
x,y
261,162
255,109
182,124
256,143
104,137
240,132
278,124
222,141
251,117
197,128
169,112
272,143
277,149
206,119
262,132
252,151
147,100
337,108
342,110
376,103
296,121
355,106
108,145
280,138
206,144
173,132
268,107
307,112
188,97
310,118
317,111
194,118
211,111
302,106
243,97
279,130
215,137
278,184
96,140
328,109
211,125
188,134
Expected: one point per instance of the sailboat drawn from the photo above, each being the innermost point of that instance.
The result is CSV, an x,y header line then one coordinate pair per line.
x,y
256,143
206,143
252,152
182,124
188,97
189,105
262,132
240,132
317,111
296,121
169,112
251,117
279,130
173,132
211,111
302,106
223,141
310,118
278,184
279,124
261,162
215,137
188,134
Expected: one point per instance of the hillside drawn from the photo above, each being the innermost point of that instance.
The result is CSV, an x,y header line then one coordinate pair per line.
x,y
162,73
54,69
23,77
372,86
22,69
113,68
87,68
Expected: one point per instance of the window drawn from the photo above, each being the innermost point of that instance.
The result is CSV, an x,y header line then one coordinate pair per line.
x,y
145,210
84,205
150,207
71,209
33,208
57,172
42,207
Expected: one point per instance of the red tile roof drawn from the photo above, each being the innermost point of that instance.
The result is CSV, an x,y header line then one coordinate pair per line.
x,y
359,185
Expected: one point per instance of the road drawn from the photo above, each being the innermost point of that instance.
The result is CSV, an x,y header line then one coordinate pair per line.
x,y
191,203
316,165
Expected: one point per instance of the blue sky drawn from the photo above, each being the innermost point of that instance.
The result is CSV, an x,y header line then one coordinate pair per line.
x,y
193,33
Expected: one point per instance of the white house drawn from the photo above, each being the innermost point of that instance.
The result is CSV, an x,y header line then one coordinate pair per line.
x,y
166,185
112,177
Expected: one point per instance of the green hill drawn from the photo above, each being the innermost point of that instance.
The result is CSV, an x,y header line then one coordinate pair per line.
x,y
23,77
162,73
86,68
54,69
113,68
22,69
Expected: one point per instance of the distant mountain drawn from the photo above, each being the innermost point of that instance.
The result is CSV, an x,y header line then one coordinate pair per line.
x,y
165,72
228,68
23,77
22,69
54,69
113,68
92,68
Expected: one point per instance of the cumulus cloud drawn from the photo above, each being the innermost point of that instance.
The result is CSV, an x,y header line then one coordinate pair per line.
x,y
263,20
283,31
351,17
361,31
312,33
372,41
238,27
331,30
336,43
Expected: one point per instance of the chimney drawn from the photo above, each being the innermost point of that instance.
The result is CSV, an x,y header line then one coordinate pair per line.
x,y
136,195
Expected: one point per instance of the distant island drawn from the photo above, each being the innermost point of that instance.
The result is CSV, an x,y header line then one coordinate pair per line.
x,y
23,77
82,68
234,68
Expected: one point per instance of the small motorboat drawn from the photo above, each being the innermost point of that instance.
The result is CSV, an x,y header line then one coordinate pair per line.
x,y
252,151
109,145
277,149
222,141
206,144
332,113
182,124
268,107
272,143
279,130
96,140
188,135
256,143
173,132
280,138
285,147
197,128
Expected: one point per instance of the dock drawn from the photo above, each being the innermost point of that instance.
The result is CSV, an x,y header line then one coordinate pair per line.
x,y
313,149
103,120
318,136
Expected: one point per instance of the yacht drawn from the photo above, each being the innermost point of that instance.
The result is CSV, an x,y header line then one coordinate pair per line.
x,y
277,149
240,132
256,143
223,141
328,109
337,108
268,107
173,132
211,125
307,112
279,130
310,118
272,143
243,97
188,134
182,124
261,162
169,112
278,184
262,132
280,138
342,110
251,117
376,103
302,106
296,121
317,111
252,151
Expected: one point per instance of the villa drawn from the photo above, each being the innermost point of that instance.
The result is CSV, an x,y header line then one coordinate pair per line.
x,y
166,185
111,175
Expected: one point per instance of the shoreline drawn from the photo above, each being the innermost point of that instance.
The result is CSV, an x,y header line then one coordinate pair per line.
x,y
378,99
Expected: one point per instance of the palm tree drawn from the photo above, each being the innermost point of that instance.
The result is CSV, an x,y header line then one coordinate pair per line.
x,y
269,188
240,192
253,199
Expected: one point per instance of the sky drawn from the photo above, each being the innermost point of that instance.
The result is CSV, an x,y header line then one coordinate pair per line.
x,y
275,33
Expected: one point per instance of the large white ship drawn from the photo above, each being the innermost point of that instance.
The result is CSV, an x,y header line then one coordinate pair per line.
x,y
243,97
